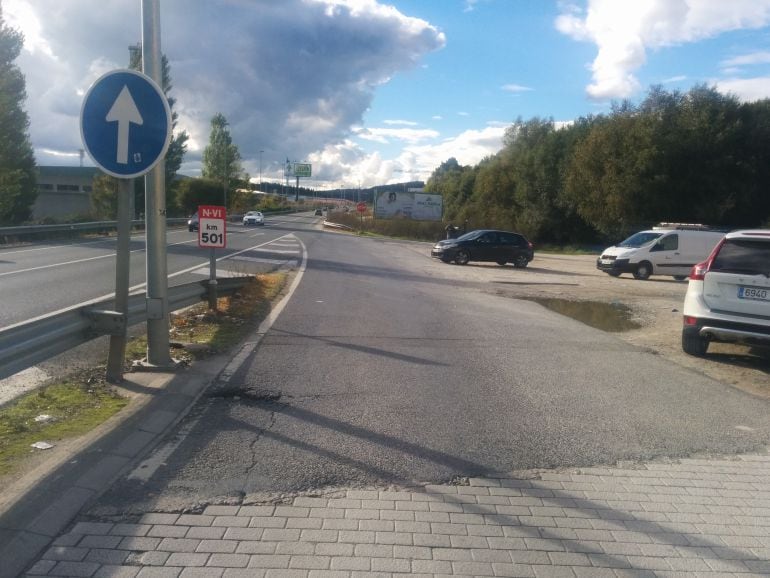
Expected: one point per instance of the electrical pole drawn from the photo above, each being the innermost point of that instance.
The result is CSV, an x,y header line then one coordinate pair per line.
x,y
260,170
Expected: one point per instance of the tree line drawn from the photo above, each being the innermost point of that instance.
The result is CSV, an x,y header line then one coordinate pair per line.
x,y
692,157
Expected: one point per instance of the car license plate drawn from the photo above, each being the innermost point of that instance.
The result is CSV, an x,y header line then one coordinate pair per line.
x,y
605,261
753,293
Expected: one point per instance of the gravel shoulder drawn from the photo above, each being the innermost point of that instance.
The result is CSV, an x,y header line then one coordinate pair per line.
x,y
656,305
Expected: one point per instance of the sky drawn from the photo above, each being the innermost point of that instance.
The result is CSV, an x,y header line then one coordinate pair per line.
x,y
372,92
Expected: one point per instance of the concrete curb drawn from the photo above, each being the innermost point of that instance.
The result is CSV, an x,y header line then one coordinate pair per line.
x,y
40,506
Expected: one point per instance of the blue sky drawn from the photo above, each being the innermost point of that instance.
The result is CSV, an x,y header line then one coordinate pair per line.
x,y
374,91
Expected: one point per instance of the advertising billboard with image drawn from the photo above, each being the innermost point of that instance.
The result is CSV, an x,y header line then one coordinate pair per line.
x,y
408,205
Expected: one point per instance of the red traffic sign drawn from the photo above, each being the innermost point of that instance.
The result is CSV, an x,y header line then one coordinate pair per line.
x,y
212,228
361,207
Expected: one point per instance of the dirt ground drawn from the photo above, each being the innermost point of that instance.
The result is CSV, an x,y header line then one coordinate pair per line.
x,y
656,304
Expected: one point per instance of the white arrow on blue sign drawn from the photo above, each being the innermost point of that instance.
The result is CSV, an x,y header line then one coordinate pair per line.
x,y
125,123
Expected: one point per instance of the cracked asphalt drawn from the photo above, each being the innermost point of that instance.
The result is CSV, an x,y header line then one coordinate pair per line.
x,y
389,368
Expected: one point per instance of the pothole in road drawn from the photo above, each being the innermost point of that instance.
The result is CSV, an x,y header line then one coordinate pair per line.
x,y
248,393
611,317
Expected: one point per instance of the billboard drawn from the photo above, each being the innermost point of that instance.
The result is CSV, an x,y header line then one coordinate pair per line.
x,y
302,170
408,205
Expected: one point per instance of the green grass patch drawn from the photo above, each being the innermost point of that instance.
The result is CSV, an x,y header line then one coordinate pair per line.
x,y
75,408
83,402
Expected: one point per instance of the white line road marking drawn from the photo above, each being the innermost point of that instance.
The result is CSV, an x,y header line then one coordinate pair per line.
x,y
136,288
144,471
74,262
148,467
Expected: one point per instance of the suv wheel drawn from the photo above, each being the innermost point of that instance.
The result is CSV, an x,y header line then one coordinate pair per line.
x,y
643,271
694,344
520,261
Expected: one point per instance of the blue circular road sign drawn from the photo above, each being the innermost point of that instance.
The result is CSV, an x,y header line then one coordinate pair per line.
x,y
125,123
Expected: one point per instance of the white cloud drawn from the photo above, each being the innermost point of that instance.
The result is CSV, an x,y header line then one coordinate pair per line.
x,y
761,57
624,31
291,77
409,135
469,148
400,123
515,88
746,89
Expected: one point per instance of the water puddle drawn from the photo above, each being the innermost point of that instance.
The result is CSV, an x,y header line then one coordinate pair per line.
x,y
611,317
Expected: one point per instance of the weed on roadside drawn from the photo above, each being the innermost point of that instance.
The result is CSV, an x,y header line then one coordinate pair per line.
x,y
81,402
53,413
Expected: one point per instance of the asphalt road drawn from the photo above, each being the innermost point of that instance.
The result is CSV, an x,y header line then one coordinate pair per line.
x,y
41,278
389,367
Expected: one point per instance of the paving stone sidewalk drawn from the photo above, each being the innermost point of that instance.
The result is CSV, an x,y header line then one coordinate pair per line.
x,y
694,517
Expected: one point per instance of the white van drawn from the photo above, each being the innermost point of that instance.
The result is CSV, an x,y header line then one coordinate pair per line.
x,y
668,249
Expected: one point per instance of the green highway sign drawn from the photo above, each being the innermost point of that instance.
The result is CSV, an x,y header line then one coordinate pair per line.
x,y
302,170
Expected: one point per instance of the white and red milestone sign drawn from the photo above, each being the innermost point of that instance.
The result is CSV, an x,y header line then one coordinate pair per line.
x,y
212,228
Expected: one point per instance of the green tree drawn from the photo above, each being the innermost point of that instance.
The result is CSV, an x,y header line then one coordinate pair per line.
x,y
194,192
221,158
104,197
17,160
177,148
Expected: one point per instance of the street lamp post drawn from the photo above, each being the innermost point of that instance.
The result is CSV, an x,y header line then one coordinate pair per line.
x,y
260,170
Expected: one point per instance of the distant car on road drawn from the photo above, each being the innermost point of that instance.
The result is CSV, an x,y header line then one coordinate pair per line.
x,y
192,222
728,296
318,212
253,218
500,247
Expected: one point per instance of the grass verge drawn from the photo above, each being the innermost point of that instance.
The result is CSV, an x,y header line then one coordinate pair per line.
x,y
52,413
83,401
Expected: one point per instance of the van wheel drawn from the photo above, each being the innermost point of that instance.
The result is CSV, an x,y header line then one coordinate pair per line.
x,y
694,344
643,271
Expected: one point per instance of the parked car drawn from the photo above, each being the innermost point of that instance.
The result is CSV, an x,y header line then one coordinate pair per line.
x,y
664,250
500,247
192,222
728,296
253,218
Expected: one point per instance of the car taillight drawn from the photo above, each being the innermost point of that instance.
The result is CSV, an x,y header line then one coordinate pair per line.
x,y
698,272
689,320
531,246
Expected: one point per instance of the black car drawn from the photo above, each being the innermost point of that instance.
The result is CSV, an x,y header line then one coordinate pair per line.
x,y
500,247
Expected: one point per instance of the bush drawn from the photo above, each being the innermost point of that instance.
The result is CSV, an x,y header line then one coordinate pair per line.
x,y
400,228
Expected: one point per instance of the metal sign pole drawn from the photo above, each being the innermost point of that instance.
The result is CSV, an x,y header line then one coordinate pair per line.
x,y
212,281
158,351
117,353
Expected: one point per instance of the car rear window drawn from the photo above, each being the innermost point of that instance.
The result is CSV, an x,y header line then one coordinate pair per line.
x,y
743,256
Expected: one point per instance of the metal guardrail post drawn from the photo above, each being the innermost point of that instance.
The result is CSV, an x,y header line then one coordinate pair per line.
x,y
25,344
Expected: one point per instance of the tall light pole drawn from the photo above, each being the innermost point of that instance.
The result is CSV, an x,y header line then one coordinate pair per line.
x,y
224,179
260,170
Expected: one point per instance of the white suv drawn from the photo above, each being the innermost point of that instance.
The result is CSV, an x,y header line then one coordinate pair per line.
x,y
728,297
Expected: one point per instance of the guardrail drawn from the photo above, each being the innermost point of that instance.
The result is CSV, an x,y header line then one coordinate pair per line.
x,y
25,344
9,234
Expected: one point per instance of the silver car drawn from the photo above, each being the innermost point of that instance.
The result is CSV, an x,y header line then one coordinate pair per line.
x,y
253,218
